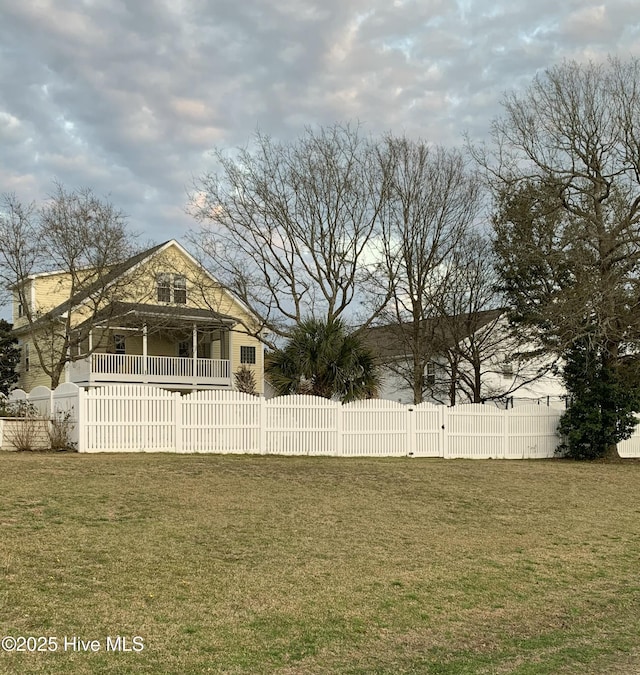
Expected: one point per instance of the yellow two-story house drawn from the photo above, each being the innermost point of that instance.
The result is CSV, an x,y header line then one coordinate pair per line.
x,y
158,318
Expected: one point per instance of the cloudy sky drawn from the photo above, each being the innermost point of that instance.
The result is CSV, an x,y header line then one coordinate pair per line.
x,y
129,96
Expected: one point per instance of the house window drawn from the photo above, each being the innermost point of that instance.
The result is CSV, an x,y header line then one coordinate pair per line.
x,y
20,309
172,288
430,374
247,354
119,344
26,357
164,287
507,369
184,349
179,289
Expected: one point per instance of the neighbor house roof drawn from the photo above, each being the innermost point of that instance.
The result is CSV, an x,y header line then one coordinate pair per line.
x,y
394,340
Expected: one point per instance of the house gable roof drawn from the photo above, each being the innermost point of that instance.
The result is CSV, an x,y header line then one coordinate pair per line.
x,y
120,270
392,341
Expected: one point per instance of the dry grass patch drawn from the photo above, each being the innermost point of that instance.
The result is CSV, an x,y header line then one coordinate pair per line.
x,y
319,565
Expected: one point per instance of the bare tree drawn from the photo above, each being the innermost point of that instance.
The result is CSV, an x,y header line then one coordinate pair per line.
x,y
565,168
433,201
287,227
467,317
483,357
83,239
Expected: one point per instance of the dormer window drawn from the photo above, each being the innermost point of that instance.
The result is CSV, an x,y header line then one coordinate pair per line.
x,y
179,289
164,287
172,288
430,374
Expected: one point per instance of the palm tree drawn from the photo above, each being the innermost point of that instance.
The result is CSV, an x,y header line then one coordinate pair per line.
x,y
320,358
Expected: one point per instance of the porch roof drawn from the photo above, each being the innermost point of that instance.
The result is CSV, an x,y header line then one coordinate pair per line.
x,y
164,316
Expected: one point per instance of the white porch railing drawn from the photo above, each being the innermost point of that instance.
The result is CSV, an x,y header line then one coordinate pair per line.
x,y
135,368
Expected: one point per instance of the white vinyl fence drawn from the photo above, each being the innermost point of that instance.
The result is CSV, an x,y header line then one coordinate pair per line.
x,y
142,418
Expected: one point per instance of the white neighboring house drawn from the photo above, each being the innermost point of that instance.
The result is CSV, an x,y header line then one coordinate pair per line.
x,y
488,365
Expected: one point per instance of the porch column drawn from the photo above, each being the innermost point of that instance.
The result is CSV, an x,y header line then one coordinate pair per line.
x,y
194,352
230,358
90,358
144,349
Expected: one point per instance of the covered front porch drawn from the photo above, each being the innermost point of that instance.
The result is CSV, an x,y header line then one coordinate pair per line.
x,y
142,344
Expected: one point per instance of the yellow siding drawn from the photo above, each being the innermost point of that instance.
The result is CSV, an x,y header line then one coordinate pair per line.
x,y
47,291
35,376
201,291
156,345
19,321
239,338
216,345
51,290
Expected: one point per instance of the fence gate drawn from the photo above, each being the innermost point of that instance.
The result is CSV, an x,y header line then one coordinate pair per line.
x,y
428,429
375,427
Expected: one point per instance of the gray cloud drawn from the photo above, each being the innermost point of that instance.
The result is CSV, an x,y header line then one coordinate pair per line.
x,y
128,97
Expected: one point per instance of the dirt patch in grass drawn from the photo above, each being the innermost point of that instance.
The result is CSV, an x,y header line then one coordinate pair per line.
x,y
320,565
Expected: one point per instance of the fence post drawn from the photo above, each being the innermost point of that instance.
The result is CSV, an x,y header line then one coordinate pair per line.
x,y
505,433
262,429
177,421
340,431
146,409
411,431
81,412
444,431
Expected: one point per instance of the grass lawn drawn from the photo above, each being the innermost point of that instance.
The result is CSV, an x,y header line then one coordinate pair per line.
x,y
242,564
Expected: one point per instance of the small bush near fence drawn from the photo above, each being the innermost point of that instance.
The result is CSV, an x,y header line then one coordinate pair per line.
x,y
25,434
22,427
17,408
60,428
25,426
